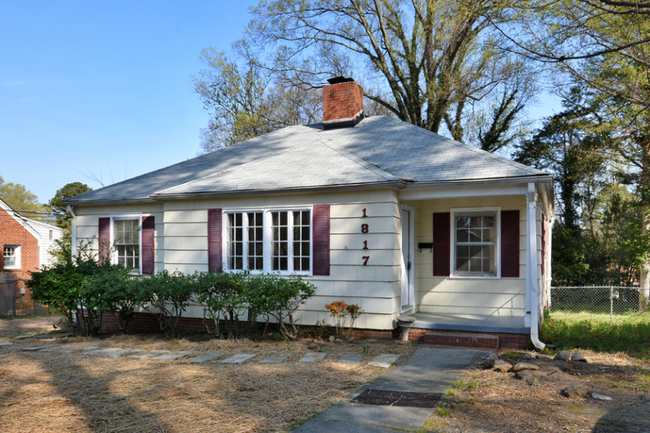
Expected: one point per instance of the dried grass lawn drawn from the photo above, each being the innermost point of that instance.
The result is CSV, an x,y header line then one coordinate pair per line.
x,y
61,391
489,401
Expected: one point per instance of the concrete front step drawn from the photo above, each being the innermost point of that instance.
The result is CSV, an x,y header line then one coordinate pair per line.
x,y
458,339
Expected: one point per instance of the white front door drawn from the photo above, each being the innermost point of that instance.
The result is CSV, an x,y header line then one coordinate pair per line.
x,y
408,252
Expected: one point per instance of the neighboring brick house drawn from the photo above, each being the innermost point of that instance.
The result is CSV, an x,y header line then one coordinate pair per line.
x,y
24,244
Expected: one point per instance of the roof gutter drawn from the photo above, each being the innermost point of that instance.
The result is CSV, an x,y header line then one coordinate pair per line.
x,y
541,178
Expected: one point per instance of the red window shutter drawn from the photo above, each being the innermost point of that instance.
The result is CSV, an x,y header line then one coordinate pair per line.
x,y
510,243
2,257
104,239
322,239
148,244
441,244
215,262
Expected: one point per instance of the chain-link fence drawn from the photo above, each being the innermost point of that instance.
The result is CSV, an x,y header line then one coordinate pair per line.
x,y
607,300
15,299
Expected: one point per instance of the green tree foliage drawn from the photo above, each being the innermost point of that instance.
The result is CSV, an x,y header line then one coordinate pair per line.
x,y
21,200
62,219
431,63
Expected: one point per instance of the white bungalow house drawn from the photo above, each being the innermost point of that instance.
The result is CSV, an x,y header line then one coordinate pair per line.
x,y
372,210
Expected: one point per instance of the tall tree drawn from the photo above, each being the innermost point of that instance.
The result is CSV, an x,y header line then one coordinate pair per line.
x,y
23,201
59,211
433,63
603,44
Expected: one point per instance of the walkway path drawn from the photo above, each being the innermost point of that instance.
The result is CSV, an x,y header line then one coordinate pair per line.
x,y
428,371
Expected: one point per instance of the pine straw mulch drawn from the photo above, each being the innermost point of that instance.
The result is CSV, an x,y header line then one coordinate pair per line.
x,y
497,402
61,390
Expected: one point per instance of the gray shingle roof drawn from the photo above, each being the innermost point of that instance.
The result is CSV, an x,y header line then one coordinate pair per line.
x,y
377,150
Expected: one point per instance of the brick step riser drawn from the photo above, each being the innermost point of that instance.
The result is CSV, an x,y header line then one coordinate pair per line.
x,y
482,342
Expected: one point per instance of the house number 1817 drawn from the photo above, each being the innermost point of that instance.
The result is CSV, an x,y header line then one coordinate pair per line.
x,y
365,228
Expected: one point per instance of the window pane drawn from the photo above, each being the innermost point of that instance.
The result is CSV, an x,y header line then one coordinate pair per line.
x,y
296,264
461,235
305,218
475,235
462,222
463,264
283,264
462,251
305,263
488,235
488,221
475,221
305,233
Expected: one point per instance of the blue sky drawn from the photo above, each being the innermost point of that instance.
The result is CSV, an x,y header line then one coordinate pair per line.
x,y
103,90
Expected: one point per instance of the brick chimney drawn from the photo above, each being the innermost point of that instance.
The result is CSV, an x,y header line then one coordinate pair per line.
x,y
342,103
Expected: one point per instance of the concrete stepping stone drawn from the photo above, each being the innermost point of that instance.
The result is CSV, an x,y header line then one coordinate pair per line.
x,y
312,357
384,360
6,344
238,359
22,337
275,359
205,358
124,352
149,354
34,348
171,356
48,336
351,359
104,352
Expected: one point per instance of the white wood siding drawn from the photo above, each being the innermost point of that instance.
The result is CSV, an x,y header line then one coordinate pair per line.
x,y
467,296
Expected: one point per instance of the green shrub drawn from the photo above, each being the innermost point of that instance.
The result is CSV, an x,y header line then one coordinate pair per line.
x,y
277,298
113,289
167,296
223,295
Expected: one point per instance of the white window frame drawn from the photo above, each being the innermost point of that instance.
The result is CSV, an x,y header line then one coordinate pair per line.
x,y
112,238
479,211
267,223
17,253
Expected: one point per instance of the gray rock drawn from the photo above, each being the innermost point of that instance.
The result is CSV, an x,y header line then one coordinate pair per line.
x,y
542,356
600,397
312,346
528,356
492,356
338,340
531,380
6,344
148,354
34,348
502,366
22,337
523,375
490,361
332,338
578,357
574,391
563,355
521,366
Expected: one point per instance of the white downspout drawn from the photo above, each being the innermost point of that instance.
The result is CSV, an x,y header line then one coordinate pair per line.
x,y
73,231
532,283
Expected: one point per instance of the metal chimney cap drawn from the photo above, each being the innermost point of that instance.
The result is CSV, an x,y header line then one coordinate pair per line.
x,y
339,79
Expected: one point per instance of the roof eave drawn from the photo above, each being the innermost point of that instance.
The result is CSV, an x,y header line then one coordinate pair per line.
x,y
323,188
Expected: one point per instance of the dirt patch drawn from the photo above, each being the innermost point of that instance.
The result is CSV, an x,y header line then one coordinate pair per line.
x,y
73,391
27,325
497,402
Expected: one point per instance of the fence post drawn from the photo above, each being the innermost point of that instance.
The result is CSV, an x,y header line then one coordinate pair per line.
x,y
611,303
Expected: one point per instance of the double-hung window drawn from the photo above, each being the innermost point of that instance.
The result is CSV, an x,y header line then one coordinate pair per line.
x,y
475,243
126,237
269,241
11,256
